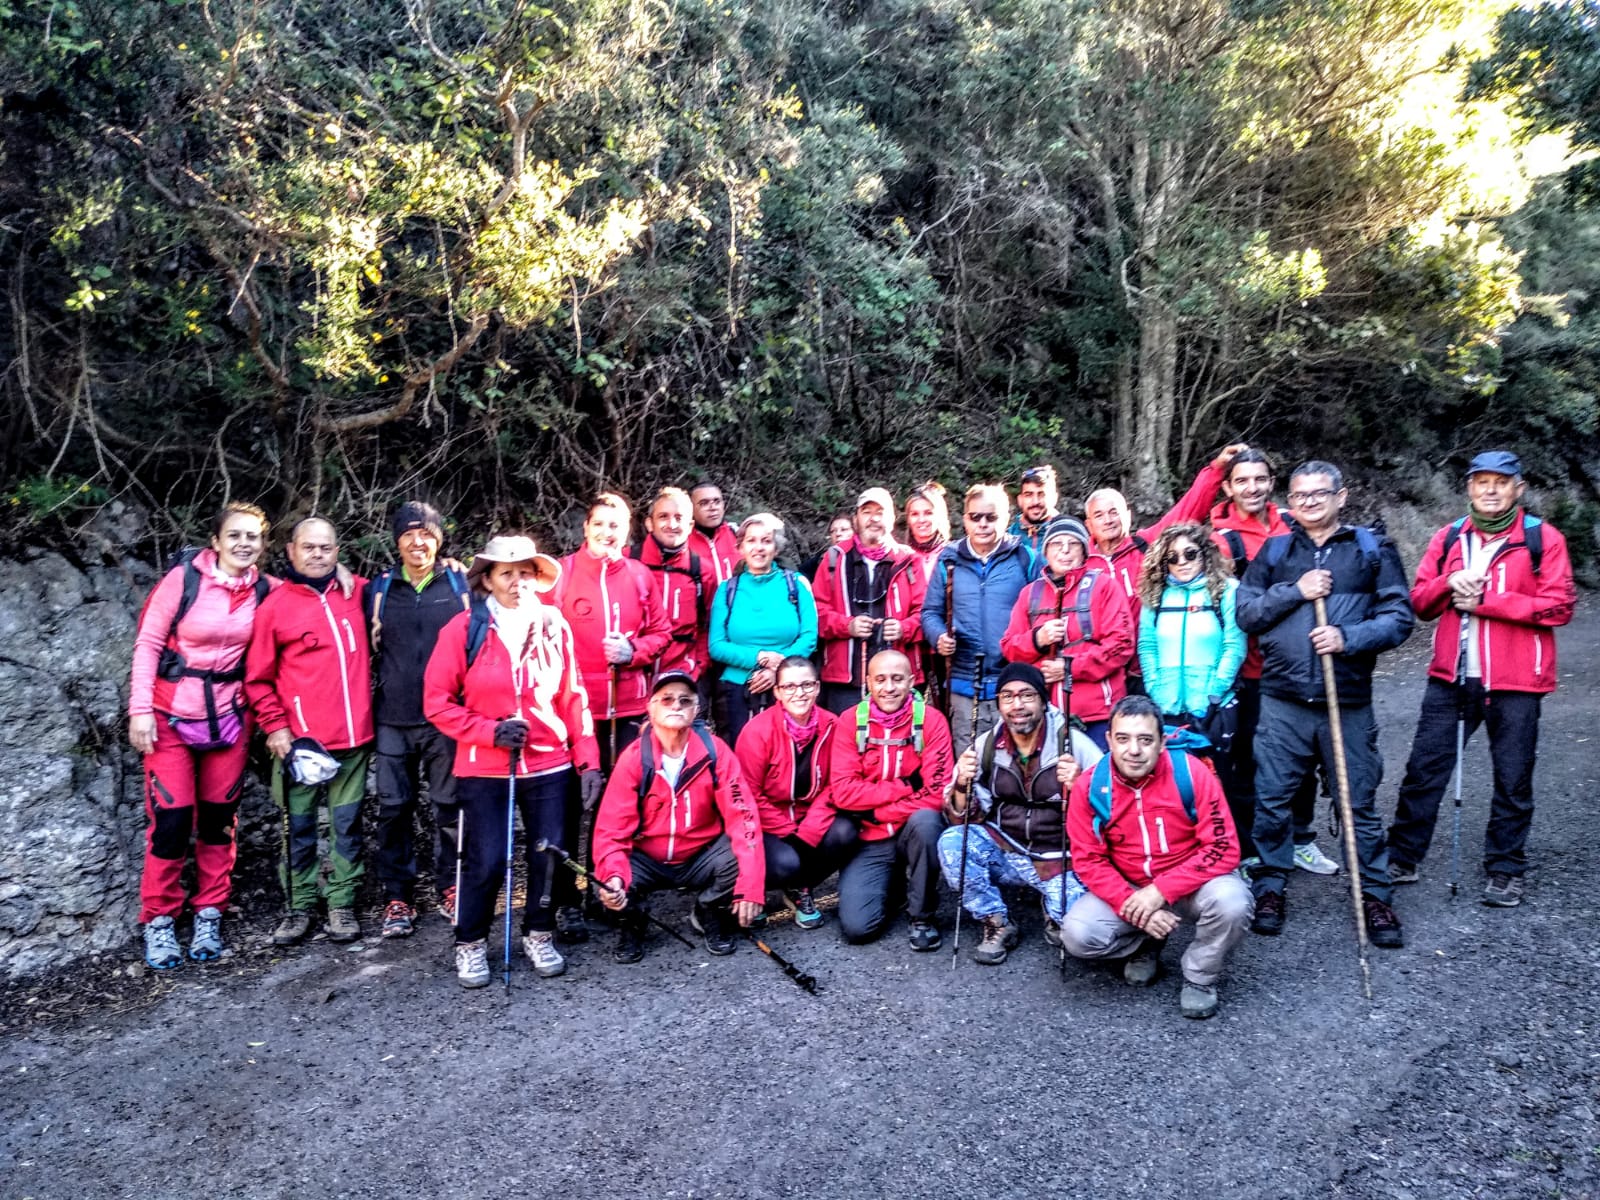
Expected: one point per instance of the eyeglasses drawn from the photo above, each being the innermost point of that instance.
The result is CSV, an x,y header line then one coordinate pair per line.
x,y
1301,499
1186,555
797,689
675,701
983,518
1021,696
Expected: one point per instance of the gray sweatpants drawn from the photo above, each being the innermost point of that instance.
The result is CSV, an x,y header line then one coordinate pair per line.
x,y
1221,911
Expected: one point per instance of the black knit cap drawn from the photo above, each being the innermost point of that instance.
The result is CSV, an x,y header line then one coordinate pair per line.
x,y
1017,672
414,514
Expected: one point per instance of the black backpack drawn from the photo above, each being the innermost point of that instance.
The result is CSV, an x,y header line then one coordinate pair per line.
x,y
647,766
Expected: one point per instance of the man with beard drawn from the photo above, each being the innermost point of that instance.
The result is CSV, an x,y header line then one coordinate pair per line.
x,y
685,581
1037,502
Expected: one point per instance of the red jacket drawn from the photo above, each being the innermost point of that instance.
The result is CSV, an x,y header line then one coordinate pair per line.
x,y
872,785
1126,558
1149,837
673,825
1252,536
466,703
309,667
767,755
1099,665
687,607
721,550
902,584
597,595
1516,647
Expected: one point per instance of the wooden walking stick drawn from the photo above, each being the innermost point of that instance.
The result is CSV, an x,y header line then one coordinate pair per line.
x,y
1346,820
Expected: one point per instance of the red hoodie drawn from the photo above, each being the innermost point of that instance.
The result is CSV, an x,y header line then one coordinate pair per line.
x,y
1099,666
309,669
897,578
1518,612
1149,837
616,595
873,785
687,607
767,754
466,703
721,549
672,825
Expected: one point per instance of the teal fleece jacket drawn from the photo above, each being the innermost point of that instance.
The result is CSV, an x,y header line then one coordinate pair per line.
x,y
1190,651
762,618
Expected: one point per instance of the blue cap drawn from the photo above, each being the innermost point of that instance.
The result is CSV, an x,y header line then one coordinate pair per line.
x,y
1500,462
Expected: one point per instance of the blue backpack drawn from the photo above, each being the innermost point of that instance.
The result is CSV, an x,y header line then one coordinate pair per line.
x,y
1183,746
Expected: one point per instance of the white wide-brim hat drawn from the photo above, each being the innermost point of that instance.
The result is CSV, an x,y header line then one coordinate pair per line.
x,y
514,548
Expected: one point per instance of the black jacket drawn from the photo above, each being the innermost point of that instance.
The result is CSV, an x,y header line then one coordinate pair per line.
x,y
1370,604
409,628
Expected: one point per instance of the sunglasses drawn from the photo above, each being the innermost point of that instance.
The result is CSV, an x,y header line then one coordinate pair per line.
x,y
1183,556
675,701
983,518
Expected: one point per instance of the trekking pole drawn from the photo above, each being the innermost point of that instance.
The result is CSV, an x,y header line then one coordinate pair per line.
x,y
511,825
546,846
806,983
1066,847
1346,819
950,623
1461,747
863,668
966,813
461,813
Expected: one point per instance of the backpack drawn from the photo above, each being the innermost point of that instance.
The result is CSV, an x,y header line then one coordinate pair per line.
x,y
1182,746
647,766
919,711
733,587
1236,550
378,589
1063,741
1532,537
693,572
1080,605
477,628
1366,539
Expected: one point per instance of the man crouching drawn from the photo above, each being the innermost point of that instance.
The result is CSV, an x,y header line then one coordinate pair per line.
x,y
676,814
1154,843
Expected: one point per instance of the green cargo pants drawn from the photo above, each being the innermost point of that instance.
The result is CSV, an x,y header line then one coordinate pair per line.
x,y
298,867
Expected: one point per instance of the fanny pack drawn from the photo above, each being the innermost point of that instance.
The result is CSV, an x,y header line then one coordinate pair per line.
x,y
208,733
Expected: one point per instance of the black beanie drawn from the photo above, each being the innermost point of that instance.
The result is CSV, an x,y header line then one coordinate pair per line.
x,y
1024,673
414,514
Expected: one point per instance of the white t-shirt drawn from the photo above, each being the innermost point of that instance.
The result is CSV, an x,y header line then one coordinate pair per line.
x,y
672,767
1476,555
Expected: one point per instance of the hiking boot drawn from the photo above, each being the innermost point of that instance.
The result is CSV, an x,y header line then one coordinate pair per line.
x,y
714,923
630,940
541,951
1308,856
472,963
398,918
999,935
161,944
571,928
806,913
1269,914
342,925
1141,967
1403,872
447,905
925,936
1383,924
293,928
1052,933
1502,890
205,944
1197,1001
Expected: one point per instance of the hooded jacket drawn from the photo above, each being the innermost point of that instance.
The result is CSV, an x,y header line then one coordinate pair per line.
x,y
1026,818
1372,609
672,825
1126,558
685,584
1517,616
785,781
1150,837
309,666
618,595
883,784
1099,665
720,551
1191,647
465,703
843,591
983,594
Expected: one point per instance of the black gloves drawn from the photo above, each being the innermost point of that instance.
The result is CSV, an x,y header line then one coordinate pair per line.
x,y
590,786
915,780
511,734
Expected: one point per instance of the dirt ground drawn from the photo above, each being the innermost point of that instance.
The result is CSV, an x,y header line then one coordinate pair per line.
x,y
366,1071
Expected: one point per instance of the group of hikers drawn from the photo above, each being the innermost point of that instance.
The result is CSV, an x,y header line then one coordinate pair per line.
x,y
1126,722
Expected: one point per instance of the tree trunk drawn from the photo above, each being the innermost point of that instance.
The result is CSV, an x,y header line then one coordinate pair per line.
x,y
1155,407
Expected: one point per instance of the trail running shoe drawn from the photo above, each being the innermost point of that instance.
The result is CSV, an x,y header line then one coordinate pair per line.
x,y
1144,964
925,936
1197,1001
806,913
447,905
715,924
161,944
571,928
1503,891
205,944
472,964
1308,856
999,936
398,918
542,953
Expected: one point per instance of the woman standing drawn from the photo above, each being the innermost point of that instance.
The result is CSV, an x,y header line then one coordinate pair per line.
x,y
927,524
784,753
504,684
1190,645
760,616
188,718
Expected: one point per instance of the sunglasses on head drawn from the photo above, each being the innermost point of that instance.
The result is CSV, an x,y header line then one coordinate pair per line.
x,y
1187,555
